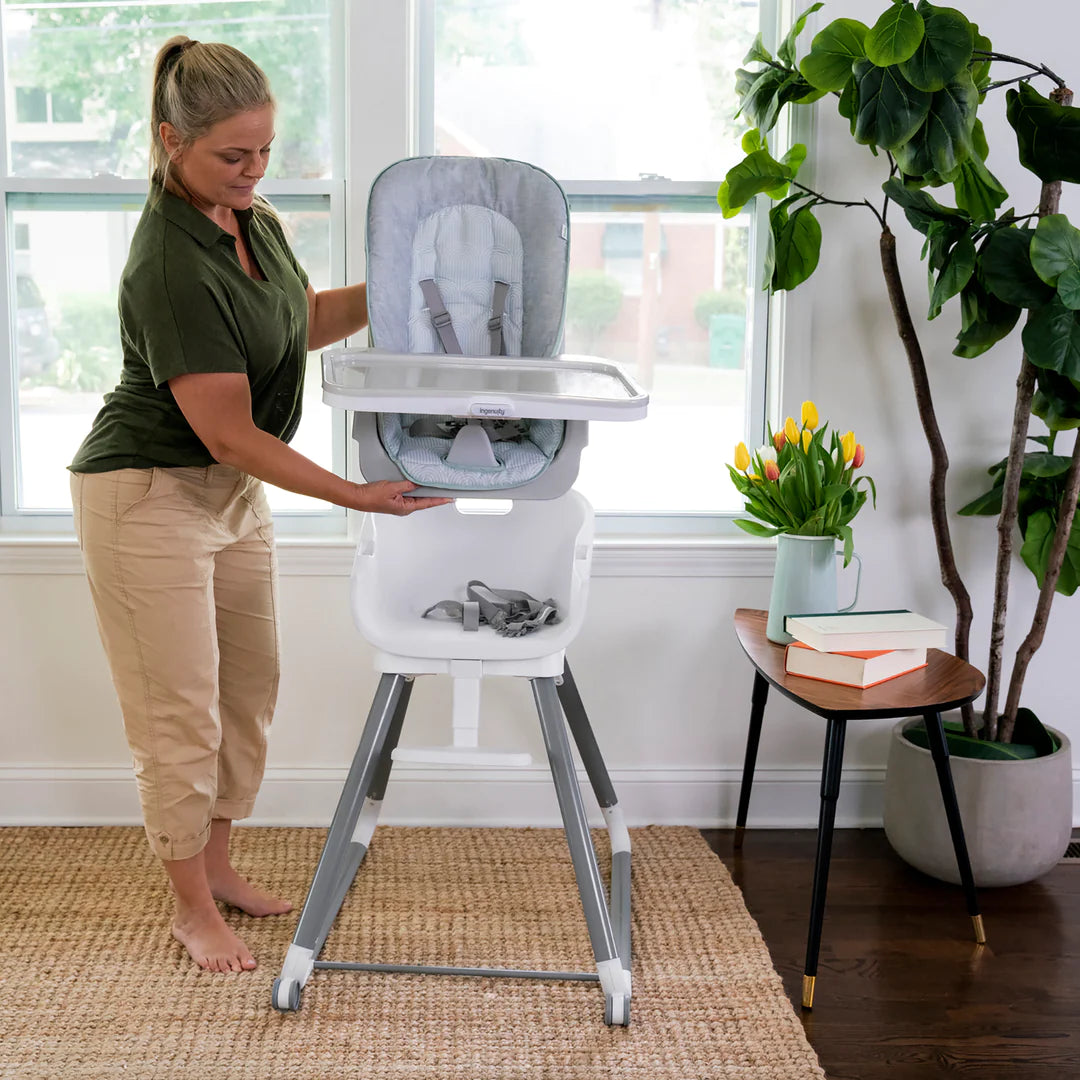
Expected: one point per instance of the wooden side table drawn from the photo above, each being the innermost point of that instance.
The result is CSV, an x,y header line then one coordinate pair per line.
x,y
945,683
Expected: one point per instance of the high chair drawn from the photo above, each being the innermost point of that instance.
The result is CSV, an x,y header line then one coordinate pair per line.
x,y
467,259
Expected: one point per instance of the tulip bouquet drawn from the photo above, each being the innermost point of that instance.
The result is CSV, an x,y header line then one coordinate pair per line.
x,y
803,482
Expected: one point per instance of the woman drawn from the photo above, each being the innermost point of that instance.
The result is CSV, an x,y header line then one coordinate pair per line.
x,y
216,321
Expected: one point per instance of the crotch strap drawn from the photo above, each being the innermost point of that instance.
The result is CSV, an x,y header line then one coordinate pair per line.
x,y
507,611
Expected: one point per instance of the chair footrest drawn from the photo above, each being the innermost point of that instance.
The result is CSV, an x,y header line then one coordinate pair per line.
x,y
462,755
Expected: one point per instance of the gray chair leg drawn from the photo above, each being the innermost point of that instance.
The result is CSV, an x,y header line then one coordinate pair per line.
x,y
614,979
348,838
591,758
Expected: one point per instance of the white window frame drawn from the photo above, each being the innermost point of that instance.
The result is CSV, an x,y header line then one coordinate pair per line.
x,y
385,53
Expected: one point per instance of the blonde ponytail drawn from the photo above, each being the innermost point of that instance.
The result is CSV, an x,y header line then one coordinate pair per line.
x,y
196,85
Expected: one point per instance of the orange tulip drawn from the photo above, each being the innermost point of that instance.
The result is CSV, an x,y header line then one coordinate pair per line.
x,y
772,470
859,458
779,440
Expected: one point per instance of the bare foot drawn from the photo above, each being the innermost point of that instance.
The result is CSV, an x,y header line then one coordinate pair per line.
x,y
209,942
227,885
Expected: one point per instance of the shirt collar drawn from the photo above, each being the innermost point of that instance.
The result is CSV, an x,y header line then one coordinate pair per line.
x,y
194,222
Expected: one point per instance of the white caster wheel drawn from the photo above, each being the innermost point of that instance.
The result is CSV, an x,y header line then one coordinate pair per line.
x,y
617,1010
286,995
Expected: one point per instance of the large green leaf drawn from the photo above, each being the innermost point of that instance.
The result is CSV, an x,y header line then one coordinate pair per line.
x,y
833,52
978,190
1056,401
944,51
986,320
978,140
895,36
1043,465
944,141
786,52
1069,287
964,746
1055,248
988,503
1047,134
848,105
1052,339
756,173
1029,729
891,110
798,248
980,65
955,274
761,94
1039,538
1007,271
758,54
920,208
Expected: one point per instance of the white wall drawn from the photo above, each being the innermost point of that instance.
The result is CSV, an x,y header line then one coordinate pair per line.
x,y
662,676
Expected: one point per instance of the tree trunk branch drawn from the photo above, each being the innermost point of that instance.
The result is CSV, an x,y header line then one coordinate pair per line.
x,y
1049,201
1066,512
939,458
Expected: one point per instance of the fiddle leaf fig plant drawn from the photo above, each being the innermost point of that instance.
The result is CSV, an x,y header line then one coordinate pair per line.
x,y
911,88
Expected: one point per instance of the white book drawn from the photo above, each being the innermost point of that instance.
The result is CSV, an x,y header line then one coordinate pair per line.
x,y
859,669
846,631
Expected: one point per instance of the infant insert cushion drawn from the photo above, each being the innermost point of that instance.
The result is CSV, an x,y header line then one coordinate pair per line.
x,y
465,250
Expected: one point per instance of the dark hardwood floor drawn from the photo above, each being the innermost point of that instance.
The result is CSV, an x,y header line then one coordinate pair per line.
x,y
903,992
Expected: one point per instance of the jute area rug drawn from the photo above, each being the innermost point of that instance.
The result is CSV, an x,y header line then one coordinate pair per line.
x,y
93,985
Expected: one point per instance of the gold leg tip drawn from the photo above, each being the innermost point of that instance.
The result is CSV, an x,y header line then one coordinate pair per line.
x,y
740,831
808,991
980,931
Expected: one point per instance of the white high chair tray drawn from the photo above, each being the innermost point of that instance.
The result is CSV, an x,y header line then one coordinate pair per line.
x,y
564,387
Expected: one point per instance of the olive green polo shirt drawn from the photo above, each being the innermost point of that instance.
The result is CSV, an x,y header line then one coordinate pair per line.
x,y
187,305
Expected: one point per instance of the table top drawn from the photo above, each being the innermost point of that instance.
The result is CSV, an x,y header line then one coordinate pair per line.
x,y
564,387
945,683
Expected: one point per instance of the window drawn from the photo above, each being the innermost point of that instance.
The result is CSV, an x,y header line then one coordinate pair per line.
x,y
626,102
75,160
630,110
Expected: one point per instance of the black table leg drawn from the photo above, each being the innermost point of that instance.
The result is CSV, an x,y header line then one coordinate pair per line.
x,y
830,791
939,748
757,712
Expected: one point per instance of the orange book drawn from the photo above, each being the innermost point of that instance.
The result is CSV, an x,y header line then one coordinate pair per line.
x,y
859,669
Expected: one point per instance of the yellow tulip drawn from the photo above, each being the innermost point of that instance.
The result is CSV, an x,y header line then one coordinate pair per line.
x,y
742,457
791,430
847,444
806,437
809,415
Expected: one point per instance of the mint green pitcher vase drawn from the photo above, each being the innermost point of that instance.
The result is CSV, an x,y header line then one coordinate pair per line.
x,y
804,581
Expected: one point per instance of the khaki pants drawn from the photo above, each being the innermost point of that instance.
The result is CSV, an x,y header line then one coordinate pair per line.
x,y
183,575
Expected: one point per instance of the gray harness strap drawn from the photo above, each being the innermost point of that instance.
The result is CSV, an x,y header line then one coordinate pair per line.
x,y
498,305
440,317
507,611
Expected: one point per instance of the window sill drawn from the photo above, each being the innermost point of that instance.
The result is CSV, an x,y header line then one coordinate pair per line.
x,y
636,557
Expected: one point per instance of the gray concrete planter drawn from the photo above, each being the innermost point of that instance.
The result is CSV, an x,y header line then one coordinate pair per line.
x,y
1017,814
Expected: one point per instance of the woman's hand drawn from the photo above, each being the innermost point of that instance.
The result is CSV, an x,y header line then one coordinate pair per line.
x,y
391,497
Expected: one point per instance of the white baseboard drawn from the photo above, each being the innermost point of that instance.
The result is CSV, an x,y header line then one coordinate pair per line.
x,y
705,798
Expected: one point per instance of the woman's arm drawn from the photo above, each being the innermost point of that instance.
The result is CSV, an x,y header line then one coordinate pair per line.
x,y
218,408
334,314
